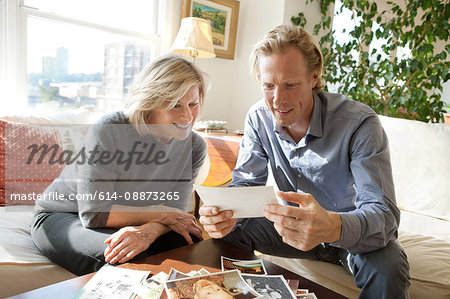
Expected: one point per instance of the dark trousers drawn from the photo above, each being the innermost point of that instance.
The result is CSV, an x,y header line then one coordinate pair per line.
x,y
62,238
381,274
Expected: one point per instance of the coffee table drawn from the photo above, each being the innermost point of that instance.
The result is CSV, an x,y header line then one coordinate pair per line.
x,y
205,254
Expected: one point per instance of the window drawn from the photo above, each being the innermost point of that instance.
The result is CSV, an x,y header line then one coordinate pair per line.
x,y
66,54
343,24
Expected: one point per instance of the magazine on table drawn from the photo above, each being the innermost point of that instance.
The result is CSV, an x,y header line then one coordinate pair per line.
x,y
121,283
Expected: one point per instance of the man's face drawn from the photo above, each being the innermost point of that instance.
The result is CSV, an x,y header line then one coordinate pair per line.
x,y
287,86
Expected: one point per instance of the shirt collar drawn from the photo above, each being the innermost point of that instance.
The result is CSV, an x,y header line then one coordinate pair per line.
x,y
315,125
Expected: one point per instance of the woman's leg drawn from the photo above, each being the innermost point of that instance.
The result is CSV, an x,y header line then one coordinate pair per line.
x,y
62,238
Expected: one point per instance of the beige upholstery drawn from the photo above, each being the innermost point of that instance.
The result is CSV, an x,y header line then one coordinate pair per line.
x,y
22,266
420,155
421,165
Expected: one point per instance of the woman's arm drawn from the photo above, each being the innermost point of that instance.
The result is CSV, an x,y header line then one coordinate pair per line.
x,y
139,229
129,241
181,222
120,216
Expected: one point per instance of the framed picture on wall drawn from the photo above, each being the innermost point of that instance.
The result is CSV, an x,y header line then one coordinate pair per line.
x,y
223,16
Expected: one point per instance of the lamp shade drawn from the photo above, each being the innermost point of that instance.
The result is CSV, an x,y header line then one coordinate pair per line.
x,y
194,39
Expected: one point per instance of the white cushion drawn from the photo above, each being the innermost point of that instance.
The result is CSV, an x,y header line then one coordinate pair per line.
x,y
421,165
82,115
22,266
16,245
425,225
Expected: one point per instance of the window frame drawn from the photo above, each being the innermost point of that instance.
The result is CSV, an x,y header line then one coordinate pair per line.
x,y
13,44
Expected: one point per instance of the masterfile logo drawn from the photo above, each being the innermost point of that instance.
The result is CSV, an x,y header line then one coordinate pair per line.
x,y
114,156
140,153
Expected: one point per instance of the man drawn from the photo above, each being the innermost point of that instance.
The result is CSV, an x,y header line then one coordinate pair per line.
x,y
330,158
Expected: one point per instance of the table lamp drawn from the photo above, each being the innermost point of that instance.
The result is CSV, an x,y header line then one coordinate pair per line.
x,y
194,39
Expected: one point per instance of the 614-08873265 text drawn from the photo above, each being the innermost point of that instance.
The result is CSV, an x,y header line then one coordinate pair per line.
x,y
109,196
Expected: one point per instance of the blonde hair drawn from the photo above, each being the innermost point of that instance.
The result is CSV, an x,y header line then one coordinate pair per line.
x,y
159,86
282,37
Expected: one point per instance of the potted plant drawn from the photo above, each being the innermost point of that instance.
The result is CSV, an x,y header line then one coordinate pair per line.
x,y
407,86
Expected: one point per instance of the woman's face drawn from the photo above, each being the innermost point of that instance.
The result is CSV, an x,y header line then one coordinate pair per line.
x,y
205,289
178,121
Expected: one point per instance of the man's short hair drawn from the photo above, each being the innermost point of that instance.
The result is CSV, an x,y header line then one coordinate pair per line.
x,y
282,37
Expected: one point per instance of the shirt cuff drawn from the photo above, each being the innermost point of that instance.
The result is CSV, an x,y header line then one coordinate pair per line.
x,y
350,231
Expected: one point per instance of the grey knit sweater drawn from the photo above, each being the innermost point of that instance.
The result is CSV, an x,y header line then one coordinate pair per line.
x,y
118,166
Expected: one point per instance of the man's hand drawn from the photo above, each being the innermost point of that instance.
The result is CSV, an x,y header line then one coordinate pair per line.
x,y
217,223
129,241
306,226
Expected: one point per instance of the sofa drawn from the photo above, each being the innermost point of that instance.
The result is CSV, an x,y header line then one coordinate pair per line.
x,y
421,164
420,156
22,266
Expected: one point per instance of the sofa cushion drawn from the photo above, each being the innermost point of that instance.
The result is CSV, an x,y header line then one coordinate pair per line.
x,y
425,225
420,150
17,178
429,260
65,128
22,267
16,245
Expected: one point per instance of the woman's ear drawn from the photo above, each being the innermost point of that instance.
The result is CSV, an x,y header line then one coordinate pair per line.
x,y
148,116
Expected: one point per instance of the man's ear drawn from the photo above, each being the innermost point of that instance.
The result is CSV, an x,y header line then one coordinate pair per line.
x,y
314,78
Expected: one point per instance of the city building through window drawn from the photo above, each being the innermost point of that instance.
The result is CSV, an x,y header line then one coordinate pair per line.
x,y
67,54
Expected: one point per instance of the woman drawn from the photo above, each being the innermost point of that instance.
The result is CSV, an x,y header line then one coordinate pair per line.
x,y
129,189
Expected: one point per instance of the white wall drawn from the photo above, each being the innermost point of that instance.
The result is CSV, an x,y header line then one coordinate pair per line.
x,y
255,19
233,89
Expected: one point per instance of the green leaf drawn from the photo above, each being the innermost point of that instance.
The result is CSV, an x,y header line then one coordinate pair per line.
x,y
410,84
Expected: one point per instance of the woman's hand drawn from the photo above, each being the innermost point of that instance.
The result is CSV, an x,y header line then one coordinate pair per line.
x,y
184,224
129,241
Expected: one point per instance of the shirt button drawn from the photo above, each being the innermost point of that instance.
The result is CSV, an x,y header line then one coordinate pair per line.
x,y
299,175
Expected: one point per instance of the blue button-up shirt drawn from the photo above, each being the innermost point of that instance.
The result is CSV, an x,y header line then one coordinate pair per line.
x,y
343,161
